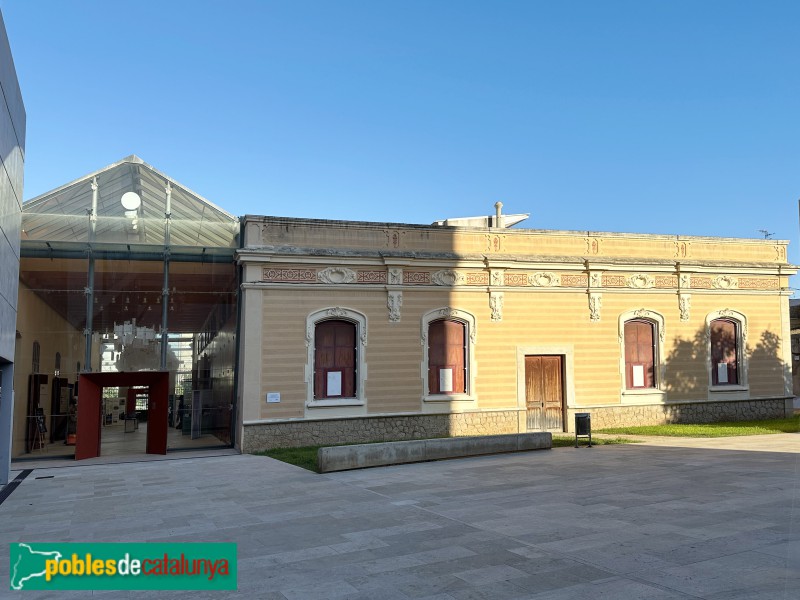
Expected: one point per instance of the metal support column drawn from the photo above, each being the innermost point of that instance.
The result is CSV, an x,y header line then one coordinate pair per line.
x,y
165,286
89,289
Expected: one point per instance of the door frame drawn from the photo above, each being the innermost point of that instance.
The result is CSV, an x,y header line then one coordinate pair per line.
x,y
90,393
567,352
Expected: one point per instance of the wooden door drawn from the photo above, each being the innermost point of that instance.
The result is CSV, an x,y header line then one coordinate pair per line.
x,y
544,396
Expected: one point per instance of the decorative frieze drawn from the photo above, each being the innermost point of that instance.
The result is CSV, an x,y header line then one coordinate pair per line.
x,y
666,281
579,280
477,278
416,277
724,282
395,276
371,277
614,281
336,275
497,277
448,278
544,279
640,281
702,283
516,279
289,275
754,283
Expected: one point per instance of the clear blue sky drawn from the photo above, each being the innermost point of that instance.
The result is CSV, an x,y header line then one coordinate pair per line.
x,y
643,116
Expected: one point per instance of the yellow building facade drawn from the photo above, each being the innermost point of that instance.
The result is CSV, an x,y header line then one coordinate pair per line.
x,y
355,331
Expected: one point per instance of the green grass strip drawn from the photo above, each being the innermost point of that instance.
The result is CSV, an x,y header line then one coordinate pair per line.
x,y
723,429
306,456
564,441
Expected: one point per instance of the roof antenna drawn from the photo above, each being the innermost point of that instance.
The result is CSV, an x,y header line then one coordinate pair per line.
x,y
767,234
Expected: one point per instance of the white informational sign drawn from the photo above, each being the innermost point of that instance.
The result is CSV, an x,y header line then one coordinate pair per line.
x,y
722,372
273,397
334,383
445,380
638,375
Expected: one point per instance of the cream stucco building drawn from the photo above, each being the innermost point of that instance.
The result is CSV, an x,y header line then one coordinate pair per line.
x,y
354,331
271,331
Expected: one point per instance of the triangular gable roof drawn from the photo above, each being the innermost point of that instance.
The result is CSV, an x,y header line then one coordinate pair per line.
x,y
62,215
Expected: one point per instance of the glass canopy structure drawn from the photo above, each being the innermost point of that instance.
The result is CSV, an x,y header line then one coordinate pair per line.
x,y
126,270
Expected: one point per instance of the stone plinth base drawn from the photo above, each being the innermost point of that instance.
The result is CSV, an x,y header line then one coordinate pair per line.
x,y
359,430
342,458
690,412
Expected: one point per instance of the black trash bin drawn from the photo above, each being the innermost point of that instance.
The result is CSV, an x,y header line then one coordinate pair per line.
x,y
583,427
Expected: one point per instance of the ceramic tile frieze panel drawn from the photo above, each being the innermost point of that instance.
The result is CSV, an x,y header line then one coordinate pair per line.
x,y
289,275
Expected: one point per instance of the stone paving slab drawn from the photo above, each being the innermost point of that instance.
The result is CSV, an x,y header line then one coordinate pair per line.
x,y
613,522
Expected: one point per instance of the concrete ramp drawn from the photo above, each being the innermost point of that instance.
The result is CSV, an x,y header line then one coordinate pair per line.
x,y
359,456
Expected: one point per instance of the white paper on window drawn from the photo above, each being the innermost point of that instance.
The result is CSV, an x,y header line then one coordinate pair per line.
x,y
722,372
445,380
334,383
638,375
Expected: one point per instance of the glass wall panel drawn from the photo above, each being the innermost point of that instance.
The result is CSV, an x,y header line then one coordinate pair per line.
x,y
126,325
49,354
203,304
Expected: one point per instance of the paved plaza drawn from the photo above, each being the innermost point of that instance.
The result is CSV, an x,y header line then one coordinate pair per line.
x,y
613,522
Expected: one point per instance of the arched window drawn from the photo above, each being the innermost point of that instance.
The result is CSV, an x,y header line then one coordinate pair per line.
x,y
641,361
726,334
724,352
336,370
37,351
447,357
448,365
335,359
640,354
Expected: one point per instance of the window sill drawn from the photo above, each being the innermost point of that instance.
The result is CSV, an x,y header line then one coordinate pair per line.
x,y
449,398
728,388
644,396
334,402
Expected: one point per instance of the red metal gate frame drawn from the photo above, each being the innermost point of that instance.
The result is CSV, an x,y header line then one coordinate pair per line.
x,y
90,394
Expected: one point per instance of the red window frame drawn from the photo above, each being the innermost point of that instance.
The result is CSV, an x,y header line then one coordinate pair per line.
x,y
724,336
335,349
640,350
447,349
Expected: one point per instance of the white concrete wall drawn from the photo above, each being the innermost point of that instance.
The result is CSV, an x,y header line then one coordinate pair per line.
x,y
12,158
